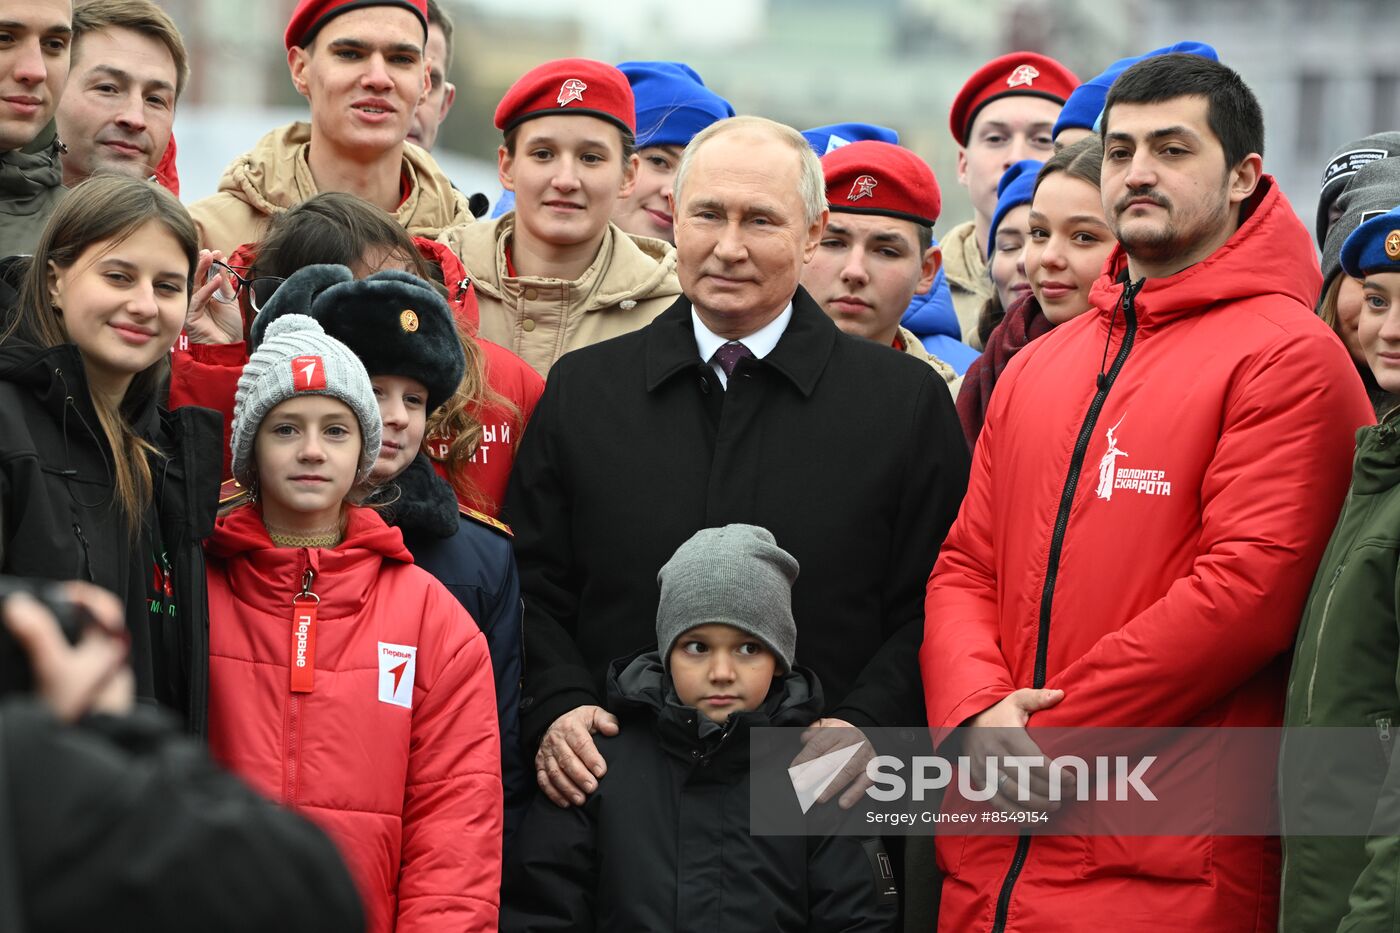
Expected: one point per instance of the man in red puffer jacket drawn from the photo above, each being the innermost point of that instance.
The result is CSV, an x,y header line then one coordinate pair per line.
x,y
1149,500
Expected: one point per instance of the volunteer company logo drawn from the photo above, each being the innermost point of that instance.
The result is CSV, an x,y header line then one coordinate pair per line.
x,y
1023,75
864,187
396,667
571,90
1112,477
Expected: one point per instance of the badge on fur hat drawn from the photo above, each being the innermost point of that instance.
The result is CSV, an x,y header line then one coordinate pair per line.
x,y
408,320
1023,75
571,90
1392,244
863,187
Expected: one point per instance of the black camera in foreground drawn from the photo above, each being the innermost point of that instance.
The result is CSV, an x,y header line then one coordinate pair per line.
x,y
15,673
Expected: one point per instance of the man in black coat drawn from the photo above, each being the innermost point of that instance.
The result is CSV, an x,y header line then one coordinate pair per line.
x,y
740,403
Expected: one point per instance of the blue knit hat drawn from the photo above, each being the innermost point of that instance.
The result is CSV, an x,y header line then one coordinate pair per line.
x,y
1374,246
824,139
673,103
1086,102
1015,188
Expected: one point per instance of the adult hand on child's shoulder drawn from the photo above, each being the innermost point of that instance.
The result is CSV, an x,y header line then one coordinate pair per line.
x,y
827,735
568,764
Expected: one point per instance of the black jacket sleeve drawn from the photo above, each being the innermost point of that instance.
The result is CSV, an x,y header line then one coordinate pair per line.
x,y
852,886
889,691
502,628
123,823
551,881
538,507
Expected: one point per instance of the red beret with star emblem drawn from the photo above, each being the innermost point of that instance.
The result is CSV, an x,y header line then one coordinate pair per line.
x,y
1020,73
311,15
569,85
872,177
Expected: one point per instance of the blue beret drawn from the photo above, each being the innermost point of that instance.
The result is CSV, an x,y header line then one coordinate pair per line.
x,y
1374,246
1015,188
1085,103
824,139
673,103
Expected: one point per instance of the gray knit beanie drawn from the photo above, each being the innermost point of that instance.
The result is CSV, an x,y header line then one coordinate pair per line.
x,y
735,575
1372,190
1344,164
297,357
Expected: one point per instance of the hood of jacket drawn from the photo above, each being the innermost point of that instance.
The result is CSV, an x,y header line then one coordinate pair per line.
x,y
627,268
275,176
638,685
1270,255
418,501
267,576
932,312
28,175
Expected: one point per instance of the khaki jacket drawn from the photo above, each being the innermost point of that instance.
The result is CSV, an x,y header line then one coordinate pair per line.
x,y
906,342
274,176
632,280
968,280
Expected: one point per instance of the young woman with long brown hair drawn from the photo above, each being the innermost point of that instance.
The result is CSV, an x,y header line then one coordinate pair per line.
x,y
96,481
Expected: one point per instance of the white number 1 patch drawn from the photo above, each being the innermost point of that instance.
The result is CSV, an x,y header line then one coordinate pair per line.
x,y
396,667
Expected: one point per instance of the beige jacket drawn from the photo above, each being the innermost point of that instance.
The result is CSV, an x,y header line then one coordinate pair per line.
x,y
632,280
274,176
906,342
968,280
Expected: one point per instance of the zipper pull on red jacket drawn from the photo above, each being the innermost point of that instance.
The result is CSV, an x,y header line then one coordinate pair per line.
x,y
303,660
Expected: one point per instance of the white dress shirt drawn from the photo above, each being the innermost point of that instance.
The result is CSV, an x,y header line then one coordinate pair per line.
x,y
760,343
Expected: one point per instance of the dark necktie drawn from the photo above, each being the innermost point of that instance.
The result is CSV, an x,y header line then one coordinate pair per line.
x,y
729,355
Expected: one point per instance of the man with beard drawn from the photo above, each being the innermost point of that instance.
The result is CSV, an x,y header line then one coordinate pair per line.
x,y
1192,435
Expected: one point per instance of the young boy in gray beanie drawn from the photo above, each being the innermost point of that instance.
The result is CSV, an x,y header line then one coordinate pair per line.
x,y
664,842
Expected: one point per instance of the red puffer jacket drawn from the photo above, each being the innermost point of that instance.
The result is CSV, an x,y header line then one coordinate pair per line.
x,y
207,375
1144,540
393,750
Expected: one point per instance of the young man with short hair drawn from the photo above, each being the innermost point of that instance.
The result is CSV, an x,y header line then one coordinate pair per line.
x,y
129,67
442,93
1003,114
1146,565
877,251
33,70
363,69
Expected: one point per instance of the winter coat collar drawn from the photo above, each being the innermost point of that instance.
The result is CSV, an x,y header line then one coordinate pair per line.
x,y
418,500
627,268
801,354
266,577
962,259
638,685
1271,254
275,176
28,175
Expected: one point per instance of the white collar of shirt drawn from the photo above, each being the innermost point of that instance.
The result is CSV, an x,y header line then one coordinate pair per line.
x,y
760,343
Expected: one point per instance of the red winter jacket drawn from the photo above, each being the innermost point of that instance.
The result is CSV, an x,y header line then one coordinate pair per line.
x,y
394,750
207,375
1207,484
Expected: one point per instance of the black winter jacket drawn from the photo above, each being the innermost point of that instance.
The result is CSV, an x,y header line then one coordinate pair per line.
x,y
475,562
851,455
120,823
664,842
58,520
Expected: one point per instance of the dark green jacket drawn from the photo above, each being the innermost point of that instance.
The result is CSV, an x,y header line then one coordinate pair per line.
x,y
1346,672
31,185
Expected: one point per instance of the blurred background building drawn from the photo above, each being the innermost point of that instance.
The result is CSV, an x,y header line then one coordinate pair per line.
x,y
1325,71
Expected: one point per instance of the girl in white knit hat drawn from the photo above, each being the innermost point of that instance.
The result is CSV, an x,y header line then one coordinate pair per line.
x,y
346,681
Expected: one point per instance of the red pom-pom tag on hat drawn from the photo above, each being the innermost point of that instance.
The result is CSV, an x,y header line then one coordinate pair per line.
x,y
308,374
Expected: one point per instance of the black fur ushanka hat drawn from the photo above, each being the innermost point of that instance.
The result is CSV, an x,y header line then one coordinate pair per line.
x,y
395,322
